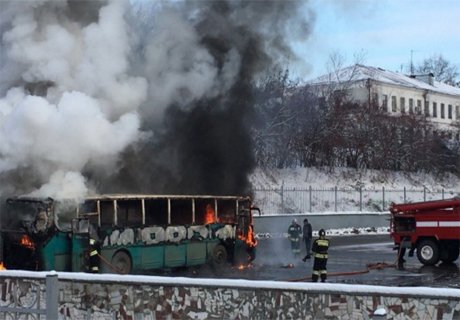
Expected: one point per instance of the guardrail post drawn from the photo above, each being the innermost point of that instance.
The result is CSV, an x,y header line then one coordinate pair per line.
x,y
360,199
404,194
383,198
52,293
335,198
424,193
282,196
309,189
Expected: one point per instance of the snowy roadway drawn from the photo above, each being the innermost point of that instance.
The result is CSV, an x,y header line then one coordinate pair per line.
x,y
349,259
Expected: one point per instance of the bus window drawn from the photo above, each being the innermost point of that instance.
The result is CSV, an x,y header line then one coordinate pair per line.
x,y
226,210
107,214
129,213
204,211
88,209
181,211
156,212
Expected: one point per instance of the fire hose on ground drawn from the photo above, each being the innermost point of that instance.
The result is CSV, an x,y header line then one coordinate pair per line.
x,y
369,267
111,266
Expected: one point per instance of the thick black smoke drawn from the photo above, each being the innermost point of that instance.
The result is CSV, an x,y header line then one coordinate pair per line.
x,y
206,146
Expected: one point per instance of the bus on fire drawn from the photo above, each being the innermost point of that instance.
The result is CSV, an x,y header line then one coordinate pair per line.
x,y
134,233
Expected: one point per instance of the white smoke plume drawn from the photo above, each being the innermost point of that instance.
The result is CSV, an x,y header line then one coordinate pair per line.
x,y
87,115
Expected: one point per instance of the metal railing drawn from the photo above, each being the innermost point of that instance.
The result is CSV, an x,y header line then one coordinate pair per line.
x,y
299,200
31,305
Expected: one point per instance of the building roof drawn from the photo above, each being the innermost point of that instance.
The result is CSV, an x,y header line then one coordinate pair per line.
x,y
360,72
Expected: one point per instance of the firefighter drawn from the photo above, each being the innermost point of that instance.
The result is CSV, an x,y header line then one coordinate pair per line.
x,y
93,259
294,233
319,249
307,236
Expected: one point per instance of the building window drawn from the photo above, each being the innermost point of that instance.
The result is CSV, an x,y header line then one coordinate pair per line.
x,y
402,104
427,108
457,112
375,97
385,103
442,111
435,110
449,111
418,109
393,103
411,105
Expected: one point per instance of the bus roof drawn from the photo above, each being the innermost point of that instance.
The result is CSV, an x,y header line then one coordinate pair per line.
x,y
132,197
162,196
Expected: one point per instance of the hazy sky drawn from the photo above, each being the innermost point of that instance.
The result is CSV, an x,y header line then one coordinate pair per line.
x,y
385,31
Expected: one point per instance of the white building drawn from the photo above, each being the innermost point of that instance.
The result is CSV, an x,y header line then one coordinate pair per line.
x,y
397,93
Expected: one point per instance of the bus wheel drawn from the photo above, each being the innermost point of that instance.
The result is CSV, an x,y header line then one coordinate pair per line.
x,y
219,256
428,252
121,261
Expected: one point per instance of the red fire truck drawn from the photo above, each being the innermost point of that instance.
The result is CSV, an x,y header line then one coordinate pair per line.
x,y
432,228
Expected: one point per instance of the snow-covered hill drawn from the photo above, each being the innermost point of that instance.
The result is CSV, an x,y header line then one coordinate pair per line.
x,y
298,190
350,178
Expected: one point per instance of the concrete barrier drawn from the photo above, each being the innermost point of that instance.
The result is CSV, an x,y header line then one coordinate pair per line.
x,y
275,224
89,296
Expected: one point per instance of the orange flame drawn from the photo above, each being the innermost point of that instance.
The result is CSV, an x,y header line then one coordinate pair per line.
x,y
27,242
250,240
242,267
2,266
210,215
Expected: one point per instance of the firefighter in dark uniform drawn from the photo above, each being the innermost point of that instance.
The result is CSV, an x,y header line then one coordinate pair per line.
x,y
319,249
93,259
294,233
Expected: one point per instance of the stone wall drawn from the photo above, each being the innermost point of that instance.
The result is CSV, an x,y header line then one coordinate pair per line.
x,y
85,296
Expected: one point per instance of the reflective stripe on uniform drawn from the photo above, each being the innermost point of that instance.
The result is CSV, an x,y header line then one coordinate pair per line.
x,y
322,242
93,253
316,272
322,271
320,255
92,242
95,268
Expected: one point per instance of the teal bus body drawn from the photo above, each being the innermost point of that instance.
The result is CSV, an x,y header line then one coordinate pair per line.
x,y
163,256
135,234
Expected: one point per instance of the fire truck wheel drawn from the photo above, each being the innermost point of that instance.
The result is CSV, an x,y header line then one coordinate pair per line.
x,y
121,261
219,256
428,252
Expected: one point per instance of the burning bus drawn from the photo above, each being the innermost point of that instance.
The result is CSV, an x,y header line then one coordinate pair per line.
x,y
135,233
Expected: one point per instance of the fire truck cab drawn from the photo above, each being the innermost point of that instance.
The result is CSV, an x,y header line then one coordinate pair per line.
x,y
432,228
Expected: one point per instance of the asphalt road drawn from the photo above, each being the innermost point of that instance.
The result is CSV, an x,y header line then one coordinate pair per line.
x,y
352,259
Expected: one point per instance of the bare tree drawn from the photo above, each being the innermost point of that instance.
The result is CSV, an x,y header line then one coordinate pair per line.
x,y
442,69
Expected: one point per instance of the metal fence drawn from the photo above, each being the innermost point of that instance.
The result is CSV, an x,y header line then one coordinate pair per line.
x,y
299,200
24,300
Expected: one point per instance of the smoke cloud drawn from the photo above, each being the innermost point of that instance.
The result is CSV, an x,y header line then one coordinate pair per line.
x,y
136,96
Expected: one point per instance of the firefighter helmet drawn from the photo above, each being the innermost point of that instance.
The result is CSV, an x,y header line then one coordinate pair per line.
x,y
294,220
322,233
